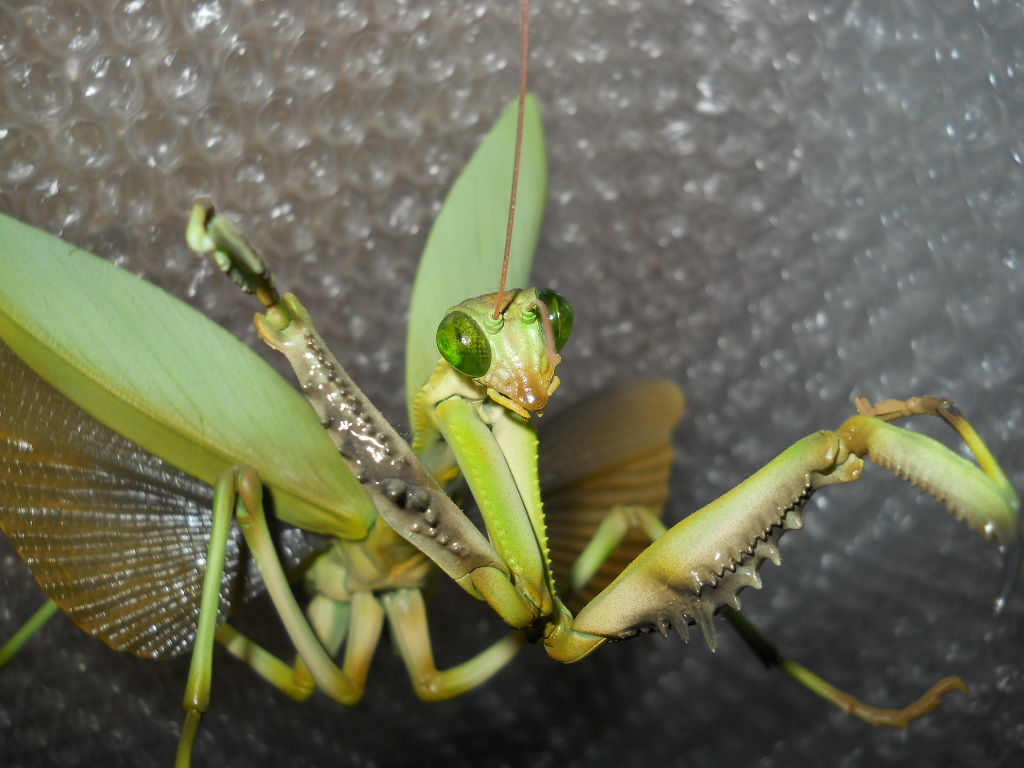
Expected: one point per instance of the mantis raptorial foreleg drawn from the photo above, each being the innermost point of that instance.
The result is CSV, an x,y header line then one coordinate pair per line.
x,y
287,328
982,497
403,491
702,562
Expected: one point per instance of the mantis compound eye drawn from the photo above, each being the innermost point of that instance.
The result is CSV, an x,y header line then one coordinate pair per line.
x,y
561,314
463,343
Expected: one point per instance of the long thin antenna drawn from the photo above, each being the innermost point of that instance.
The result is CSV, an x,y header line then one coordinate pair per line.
x,y
524,57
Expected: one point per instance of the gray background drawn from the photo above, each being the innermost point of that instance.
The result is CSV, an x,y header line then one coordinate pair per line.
x,y
777,204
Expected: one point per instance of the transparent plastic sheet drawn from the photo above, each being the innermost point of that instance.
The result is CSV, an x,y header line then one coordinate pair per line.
x,y
780,205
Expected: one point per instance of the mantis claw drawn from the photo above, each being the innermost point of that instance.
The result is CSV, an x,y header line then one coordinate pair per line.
x,y
208,232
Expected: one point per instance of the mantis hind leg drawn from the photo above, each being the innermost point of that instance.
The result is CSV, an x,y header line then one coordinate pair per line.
x,y
359,622
27,630
893,718
239,493
407,617
337,683
197,692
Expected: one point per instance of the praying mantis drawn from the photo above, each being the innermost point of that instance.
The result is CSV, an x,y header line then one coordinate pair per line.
x,y
756,448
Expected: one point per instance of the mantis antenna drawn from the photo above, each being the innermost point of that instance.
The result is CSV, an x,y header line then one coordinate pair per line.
x,y
499,301
524,57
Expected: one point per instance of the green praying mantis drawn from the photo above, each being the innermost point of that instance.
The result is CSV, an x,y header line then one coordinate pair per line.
x,y
535,598
149,583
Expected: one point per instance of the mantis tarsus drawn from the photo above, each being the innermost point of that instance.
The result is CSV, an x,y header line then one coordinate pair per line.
x,y
772,441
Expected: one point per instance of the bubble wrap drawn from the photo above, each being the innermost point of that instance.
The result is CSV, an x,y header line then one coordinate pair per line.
x,y
779,204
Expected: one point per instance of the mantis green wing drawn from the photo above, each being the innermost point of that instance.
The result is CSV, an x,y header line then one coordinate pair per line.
x,y
160,373
460,262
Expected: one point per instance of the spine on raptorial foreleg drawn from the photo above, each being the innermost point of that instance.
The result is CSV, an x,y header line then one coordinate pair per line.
x,y
701,563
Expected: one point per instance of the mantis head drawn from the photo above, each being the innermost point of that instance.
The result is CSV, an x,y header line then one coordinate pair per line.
x,y
514,354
